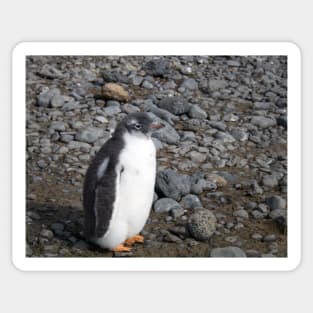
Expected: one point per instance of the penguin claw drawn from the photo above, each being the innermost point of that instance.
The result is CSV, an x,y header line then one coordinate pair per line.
x,y
138,238
121,248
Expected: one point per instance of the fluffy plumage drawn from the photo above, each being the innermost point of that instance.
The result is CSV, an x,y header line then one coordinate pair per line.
x,y
119,184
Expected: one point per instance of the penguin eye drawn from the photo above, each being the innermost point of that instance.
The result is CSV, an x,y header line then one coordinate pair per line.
x,y
137,126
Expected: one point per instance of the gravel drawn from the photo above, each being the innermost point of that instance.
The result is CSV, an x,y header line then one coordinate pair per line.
x,y
223,147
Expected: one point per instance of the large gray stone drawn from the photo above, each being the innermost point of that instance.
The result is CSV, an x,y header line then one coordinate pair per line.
x,y
176,105
157,67
173,185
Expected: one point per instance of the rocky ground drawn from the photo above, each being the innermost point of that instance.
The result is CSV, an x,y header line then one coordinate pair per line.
x,y
221,187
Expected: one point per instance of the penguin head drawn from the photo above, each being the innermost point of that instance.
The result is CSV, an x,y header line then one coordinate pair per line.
x,y
140,124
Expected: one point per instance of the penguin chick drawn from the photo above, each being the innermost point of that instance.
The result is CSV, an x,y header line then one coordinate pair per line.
x,y
119,185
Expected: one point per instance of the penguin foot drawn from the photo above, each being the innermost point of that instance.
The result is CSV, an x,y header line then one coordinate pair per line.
x,y
130,241
121,248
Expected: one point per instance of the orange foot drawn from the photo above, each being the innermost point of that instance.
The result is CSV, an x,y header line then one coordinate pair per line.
x,y
121,248
130,241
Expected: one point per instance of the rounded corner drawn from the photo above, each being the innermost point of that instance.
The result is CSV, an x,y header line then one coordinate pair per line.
x,y
294,47
17,264
295,264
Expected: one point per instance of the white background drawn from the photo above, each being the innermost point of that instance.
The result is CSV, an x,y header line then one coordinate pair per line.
x,y
167,21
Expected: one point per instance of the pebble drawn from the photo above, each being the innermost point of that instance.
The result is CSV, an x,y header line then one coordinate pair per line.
x,y
46,233
263,122
276,202
196,112
176,105
202,224
157,67
115,91
165,205
227,252
241,213
190,84
191,202
89,135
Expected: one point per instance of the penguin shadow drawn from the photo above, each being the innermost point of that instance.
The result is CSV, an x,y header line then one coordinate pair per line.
x,y
53,224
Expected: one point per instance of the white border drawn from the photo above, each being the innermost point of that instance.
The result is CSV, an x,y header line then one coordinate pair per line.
x,y
156,264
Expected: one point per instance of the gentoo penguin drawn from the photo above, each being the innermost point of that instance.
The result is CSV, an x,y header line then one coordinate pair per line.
x,y
119,185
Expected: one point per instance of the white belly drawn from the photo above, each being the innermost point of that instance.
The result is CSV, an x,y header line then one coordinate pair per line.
x,y
135,189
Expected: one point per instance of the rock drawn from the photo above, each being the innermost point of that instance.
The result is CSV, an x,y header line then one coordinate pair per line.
x,y
263,122
196,112
257,214
129,108
197,157
89,135
227,252
216,84
162,114
241,213
46,233
146,84
276,202
176,105
50,71
239,134
42,164
257,236
270,237
115,92
202,224
173,185
137,80
57,228
29,250
219,180
191,202
57,101
70,106
157,67
166,134
233,63
111,110
177,212
101,119
218,125
58,125
224,137
43,100
165,205
270,181
190,84
282,121
278,213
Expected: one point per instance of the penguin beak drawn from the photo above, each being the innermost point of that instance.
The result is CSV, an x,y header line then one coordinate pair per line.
x,y
156,126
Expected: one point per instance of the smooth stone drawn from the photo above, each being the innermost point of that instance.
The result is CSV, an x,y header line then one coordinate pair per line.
x,y
165,205
227,252
196,112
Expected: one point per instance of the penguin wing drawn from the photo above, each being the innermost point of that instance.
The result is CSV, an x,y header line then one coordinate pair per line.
x,y
99,192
